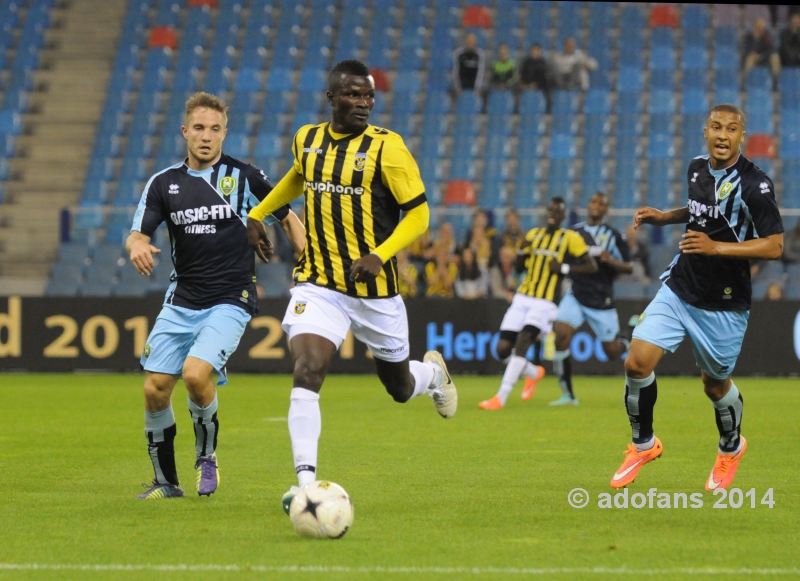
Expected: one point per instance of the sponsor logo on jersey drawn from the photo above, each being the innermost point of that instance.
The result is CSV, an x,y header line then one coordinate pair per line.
x,y
312,150
698,209
201,229
245,294
727,290
299,307
173,189
380,130
147,351
329,187
227,185
201,214
725,190
361,161
764,187
694,177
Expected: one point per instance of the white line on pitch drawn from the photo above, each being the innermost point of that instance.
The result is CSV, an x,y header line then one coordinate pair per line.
x,y
404,570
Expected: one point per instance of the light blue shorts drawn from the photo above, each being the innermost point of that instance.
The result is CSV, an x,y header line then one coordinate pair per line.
x,y
716,335
208,334
604,322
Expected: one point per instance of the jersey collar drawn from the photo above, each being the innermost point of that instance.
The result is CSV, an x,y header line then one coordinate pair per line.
x,y
721,173
204,172
345,137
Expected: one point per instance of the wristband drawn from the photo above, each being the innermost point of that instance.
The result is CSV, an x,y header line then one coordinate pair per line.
x,y
565,269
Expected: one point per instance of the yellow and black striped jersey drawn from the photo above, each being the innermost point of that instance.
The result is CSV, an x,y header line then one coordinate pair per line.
x,y
355,187
539,281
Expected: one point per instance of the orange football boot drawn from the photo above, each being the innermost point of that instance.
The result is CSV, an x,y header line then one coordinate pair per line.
x,y
725,468
491,404
530,384
633,463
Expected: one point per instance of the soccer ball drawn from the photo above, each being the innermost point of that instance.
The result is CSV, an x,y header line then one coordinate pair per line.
x,y
322,510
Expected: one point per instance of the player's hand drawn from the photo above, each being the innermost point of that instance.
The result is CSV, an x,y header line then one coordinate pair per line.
x,y
555,265
648,216
698,243
605,256
366,268
257,239
142,256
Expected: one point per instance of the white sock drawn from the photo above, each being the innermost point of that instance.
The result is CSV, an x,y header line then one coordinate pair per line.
x,y
305,425
531,370
647,445
426,375
510,377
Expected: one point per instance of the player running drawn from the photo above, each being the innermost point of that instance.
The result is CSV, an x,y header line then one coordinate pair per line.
x,y
545,254
204,201
731,218
591,296
356,178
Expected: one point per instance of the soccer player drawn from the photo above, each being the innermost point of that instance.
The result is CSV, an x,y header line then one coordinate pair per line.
x,y
545,254
356,178
204,200
731,217
591,296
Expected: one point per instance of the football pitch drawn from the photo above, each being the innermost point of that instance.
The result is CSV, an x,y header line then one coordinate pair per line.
x,y
481,496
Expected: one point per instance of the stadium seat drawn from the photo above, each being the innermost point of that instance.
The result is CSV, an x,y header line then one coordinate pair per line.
x,y
468,103
662,58
630,80
726,59
695,16
662,102
694,102
760,146
500,102
661,147
459,192
562,146
596,125
565,102
598,101
407,82
664,15
532,102
10,122
163,37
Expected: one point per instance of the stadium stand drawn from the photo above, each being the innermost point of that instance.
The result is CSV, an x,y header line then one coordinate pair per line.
x,y
631,133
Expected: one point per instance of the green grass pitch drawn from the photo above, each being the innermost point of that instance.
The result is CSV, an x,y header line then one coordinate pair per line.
x,y
480,496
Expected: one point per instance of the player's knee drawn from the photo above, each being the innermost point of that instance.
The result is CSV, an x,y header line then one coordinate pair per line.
x,y
637,366
308,373
157,392
195,378
715,389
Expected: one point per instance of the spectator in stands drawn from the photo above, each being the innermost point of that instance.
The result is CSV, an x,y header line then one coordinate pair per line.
x,y
444,241
759,50
571,67
416,252
790,43
639,248
472,281
504,71
535,73
774,292
469,65
440,274
791,245
480,238
408,275
513,233
503,276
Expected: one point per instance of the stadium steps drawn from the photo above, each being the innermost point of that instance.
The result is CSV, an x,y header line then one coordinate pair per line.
x,y
76,69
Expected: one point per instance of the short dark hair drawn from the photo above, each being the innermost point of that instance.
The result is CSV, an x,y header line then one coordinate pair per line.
x,y
348,67
728,108
599,193
558,200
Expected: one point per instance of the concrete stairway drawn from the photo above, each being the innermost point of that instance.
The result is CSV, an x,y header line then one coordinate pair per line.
x,y
59,138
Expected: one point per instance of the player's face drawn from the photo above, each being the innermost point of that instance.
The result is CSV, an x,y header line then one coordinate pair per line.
x,y
598,207
204,132
352,103
724,133
556,212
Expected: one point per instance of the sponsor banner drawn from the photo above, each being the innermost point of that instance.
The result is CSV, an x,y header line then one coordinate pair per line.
x,y
67,334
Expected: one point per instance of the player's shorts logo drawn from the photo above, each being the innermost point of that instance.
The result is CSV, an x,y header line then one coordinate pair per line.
x,y
361,161
725,190
299,307
227,185
727,290
147,351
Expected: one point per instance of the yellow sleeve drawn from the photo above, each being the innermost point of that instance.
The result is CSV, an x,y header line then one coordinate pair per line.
x,y
400,173
289,188
577,245
411,227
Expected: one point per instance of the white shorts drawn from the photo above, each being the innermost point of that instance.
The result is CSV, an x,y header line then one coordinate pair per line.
x,y
381,324
525,310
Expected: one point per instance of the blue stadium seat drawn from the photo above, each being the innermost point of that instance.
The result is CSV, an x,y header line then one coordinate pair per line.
x,y
405,104
694,102
695,80
312,80
759,121
562,146
662,123
727,96
432,127
726,36
564,124
466,126
758,78
695,37
764,163
790,146
594,176
500,102
532,102
726,59
565,102
662,81
407,82
629,124
279,79
628,146
468,103
694,58
662,58
629,103
597,125
630,81
598,101
462,168
237,145
662,102
500,125
437,102
695,16
662,37
10,122
497,147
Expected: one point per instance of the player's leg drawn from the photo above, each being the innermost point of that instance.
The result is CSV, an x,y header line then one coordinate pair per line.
x,y
562,363
162,359
382,324
218,332
660,329
316,325
717,340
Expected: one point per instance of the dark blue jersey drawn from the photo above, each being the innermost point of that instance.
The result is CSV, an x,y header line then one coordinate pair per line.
x,y
596,290
731,205
206,215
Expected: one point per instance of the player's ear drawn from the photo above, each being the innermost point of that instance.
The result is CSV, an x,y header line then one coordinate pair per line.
x,y
185,131
329,94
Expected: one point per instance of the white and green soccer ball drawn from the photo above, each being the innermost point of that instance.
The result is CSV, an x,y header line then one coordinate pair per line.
x,y
322,510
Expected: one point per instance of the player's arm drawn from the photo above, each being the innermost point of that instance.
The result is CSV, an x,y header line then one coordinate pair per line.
x,y
585,265
147,218
658,218
288,189
141,252
295,231
767,248
618,265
